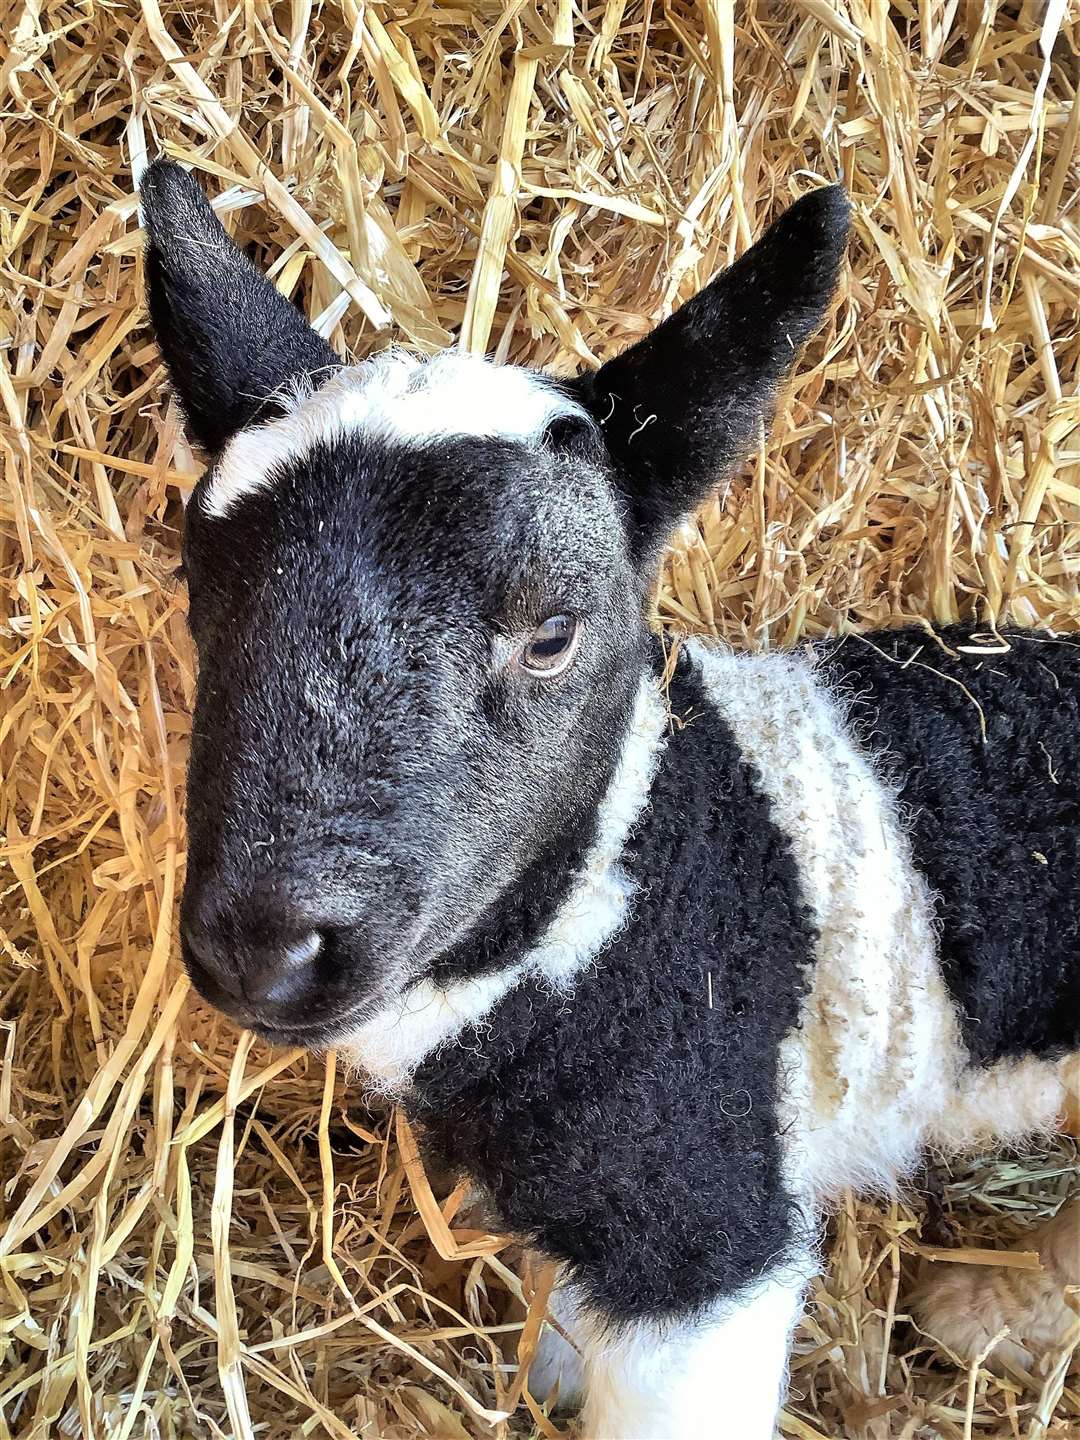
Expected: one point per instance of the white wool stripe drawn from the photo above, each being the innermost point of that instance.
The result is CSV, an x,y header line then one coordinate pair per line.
x,y
390,1044
395,396
877,1054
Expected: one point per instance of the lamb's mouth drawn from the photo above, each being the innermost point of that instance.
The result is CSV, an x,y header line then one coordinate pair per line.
x,y
311,1033
320,1035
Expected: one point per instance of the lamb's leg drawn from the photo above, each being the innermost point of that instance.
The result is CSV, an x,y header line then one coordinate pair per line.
x,y
717,1377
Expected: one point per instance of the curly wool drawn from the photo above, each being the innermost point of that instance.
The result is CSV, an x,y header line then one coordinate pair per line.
x,y
631,1129
772,1023
983,751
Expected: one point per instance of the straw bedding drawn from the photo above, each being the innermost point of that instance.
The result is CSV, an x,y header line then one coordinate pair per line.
x,y
200,1237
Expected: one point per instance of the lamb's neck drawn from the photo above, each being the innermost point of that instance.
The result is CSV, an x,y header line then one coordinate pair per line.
x,y
430,1013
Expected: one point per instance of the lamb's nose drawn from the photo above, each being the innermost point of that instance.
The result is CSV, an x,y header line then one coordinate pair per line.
x,y
253,972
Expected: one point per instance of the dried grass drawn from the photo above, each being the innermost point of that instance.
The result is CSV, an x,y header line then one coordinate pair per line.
x,y
199,1237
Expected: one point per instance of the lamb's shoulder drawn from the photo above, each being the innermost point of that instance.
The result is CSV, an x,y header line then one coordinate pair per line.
x,y
876,1035
629,1123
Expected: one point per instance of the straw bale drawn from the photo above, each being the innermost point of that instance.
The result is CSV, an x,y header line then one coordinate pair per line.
x,y
199,1237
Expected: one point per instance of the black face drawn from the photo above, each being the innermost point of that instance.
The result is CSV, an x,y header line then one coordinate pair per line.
x,y
418,656
416,664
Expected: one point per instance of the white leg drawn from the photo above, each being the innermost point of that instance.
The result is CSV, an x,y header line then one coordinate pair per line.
x,y
720,1377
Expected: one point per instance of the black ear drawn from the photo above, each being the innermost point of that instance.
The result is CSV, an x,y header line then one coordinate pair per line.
x,y
230,340
683,405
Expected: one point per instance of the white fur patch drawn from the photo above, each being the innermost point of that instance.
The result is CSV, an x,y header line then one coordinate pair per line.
x,y
721,1375
877,1054
557,1372
391,1044
397,396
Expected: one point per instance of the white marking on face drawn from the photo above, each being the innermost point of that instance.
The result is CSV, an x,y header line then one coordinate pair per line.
x,y
390,1045
395,396
719,1374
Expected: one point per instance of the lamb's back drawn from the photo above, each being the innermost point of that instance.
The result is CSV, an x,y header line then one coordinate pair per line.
x,y
982,743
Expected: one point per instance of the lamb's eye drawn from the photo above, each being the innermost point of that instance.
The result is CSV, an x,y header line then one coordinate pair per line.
x,y
550,648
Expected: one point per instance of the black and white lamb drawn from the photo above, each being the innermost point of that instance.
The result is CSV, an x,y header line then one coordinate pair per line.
x,y
661,969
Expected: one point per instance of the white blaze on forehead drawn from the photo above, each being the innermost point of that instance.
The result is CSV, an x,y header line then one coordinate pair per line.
x,y
394,396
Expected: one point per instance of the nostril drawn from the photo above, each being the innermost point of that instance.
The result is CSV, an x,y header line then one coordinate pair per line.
x,y
246,968
209,963
282,971
302,952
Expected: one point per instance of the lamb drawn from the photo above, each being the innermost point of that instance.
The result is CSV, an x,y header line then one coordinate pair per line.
x,y
660,970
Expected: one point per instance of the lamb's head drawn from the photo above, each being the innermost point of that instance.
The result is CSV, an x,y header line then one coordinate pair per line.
x,y
416,589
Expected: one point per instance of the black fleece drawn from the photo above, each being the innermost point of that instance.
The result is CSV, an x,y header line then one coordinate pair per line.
x,y
985,751
631,1129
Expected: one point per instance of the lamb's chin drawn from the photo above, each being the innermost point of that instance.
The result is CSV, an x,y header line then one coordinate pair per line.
x,y
332,1032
